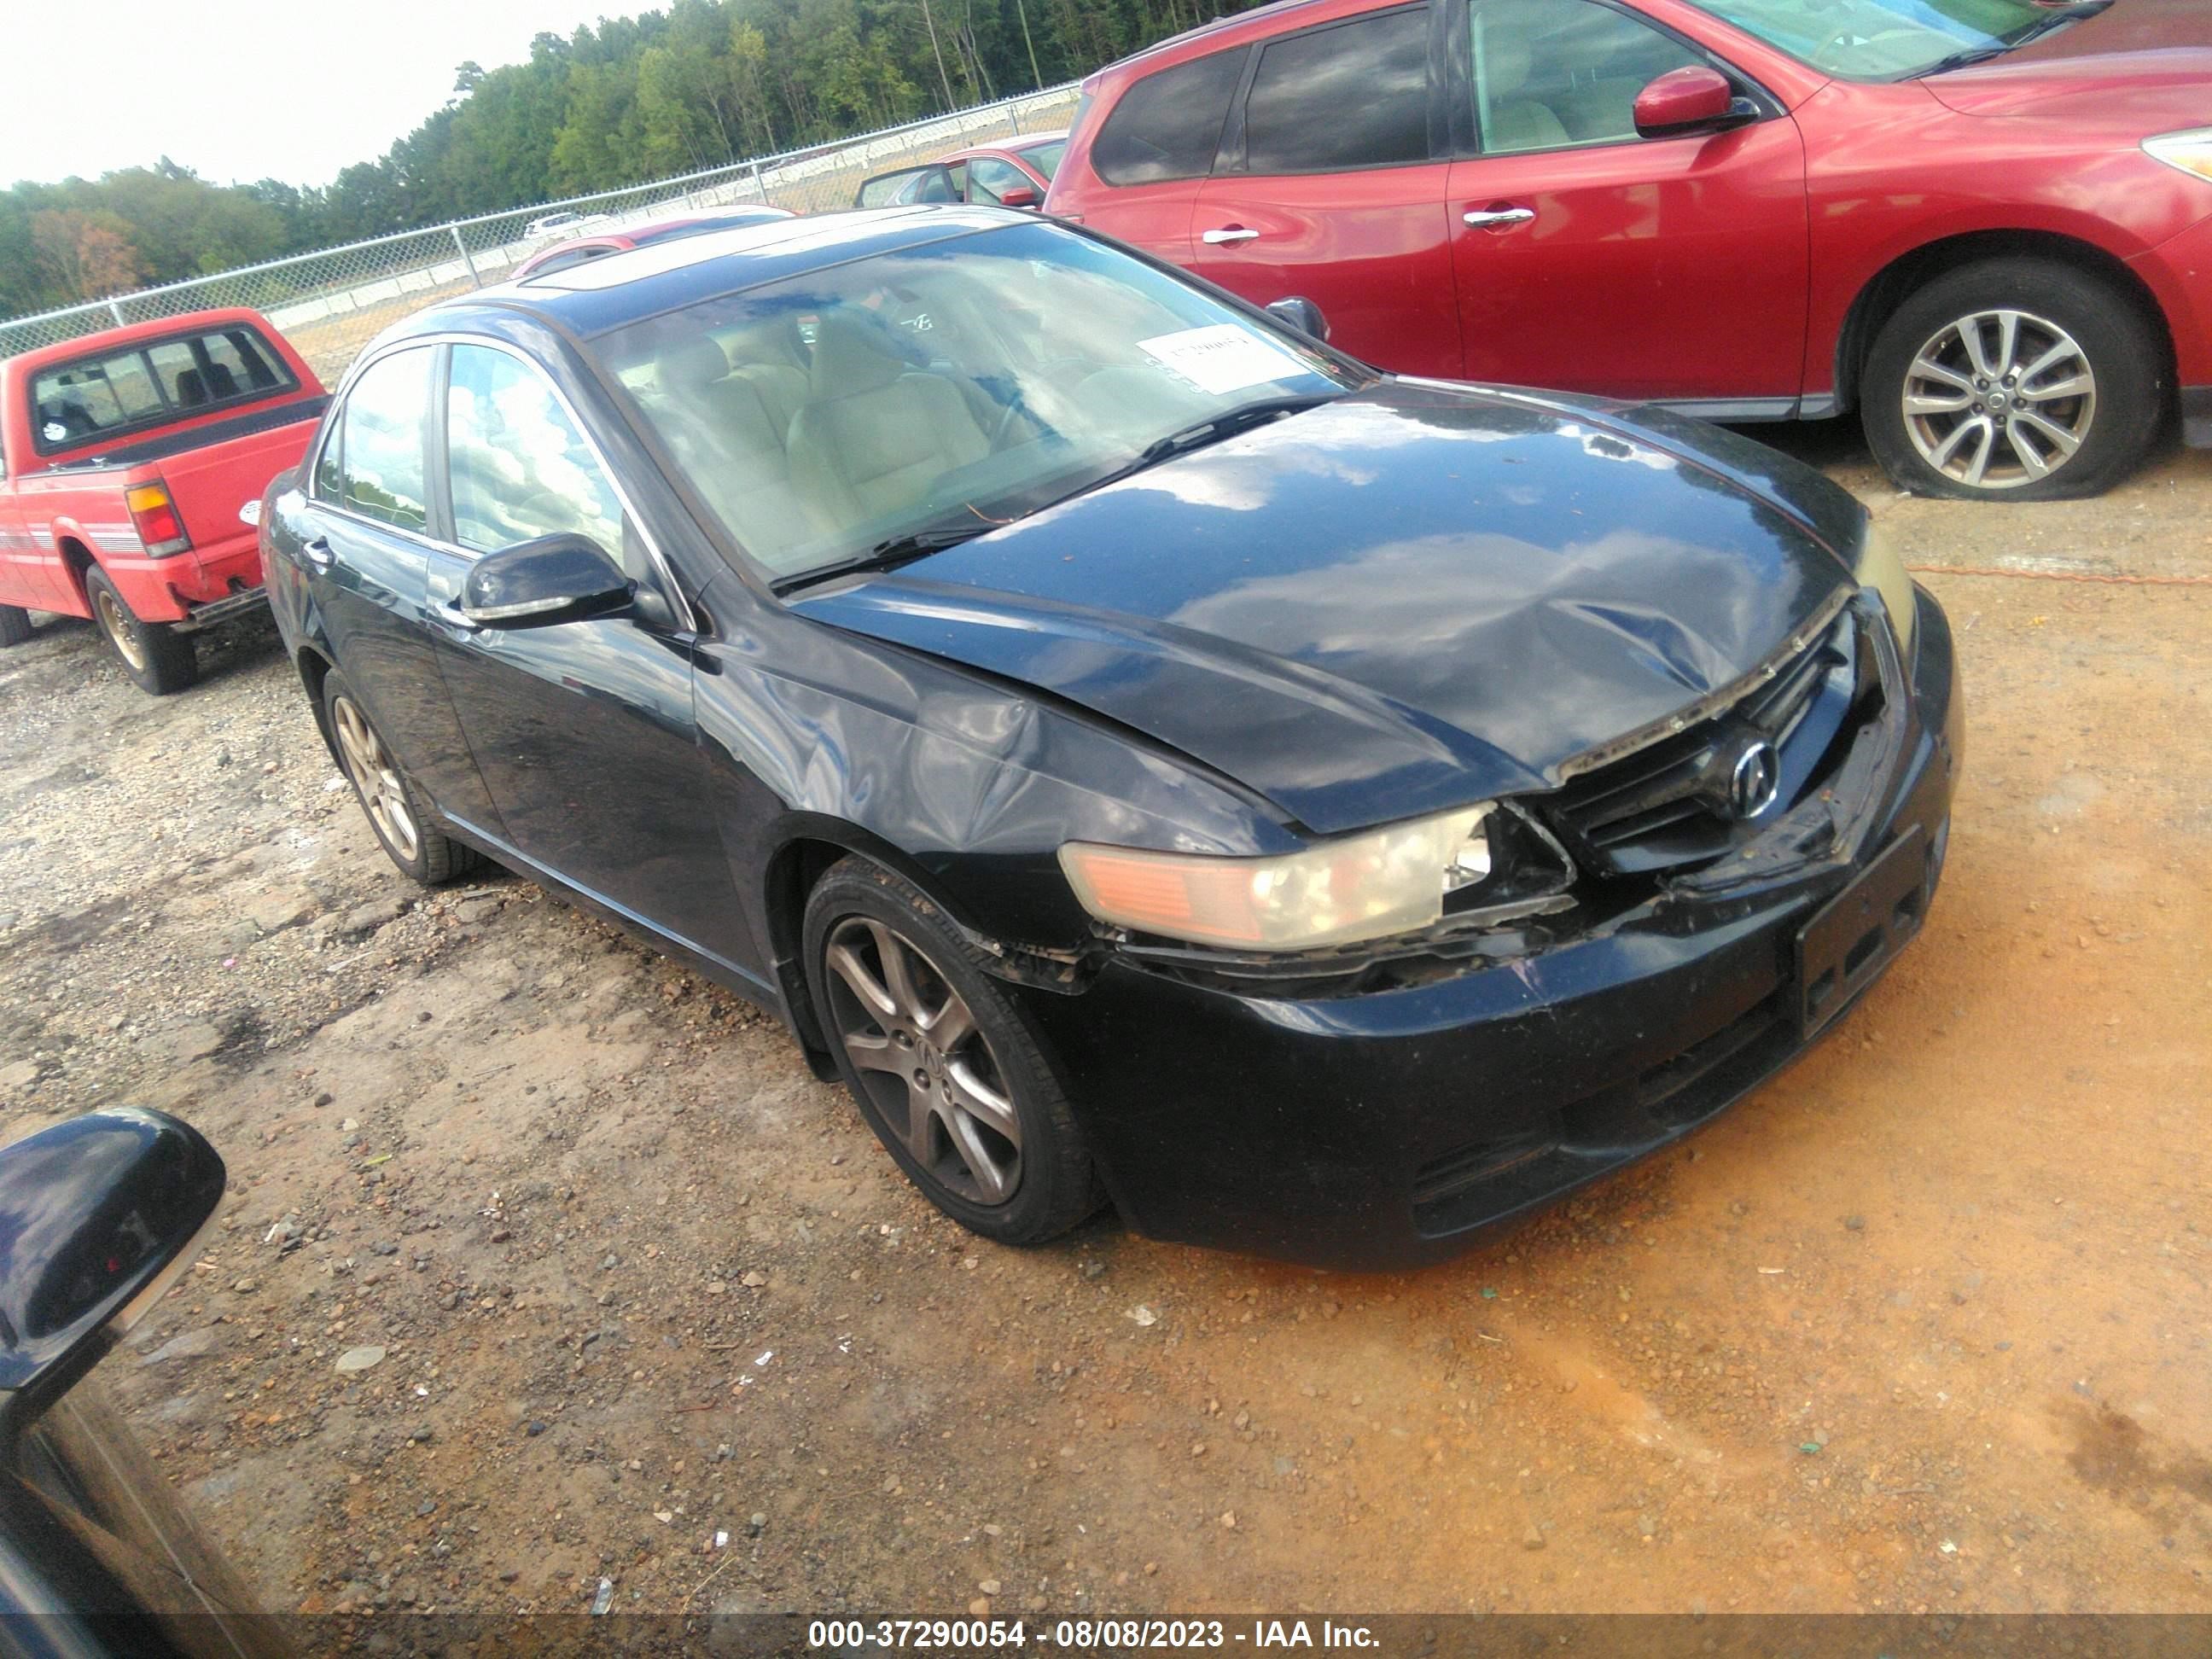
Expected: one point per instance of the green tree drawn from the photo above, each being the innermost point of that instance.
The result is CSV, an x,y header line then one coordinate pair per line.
x,y
626,100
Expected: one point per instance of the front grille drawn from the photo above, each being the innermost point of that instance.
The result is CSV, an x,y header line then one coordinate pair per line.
x,y
1667,806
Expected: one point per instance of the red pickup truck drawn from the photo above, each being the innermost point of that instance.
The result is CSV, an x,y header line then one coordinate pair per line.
x,y
129,461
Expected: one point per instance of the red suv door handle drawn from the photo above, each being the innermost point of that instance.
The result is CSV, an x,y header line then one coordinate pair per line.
x,y
1227,233
1498,216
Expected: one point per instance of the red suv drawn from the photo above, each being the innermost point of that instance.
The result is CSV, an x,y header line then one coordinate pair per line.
x,y
1985,224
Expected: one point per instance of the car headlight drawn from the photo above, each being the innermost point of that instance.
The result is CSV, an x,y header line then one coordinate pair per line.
x,y
2190,151
1883,569
1359,887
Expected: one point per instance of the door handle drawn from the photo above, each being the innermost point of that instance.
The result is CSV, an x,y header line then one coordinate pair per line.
x,y
1231,233
316,550
1496,217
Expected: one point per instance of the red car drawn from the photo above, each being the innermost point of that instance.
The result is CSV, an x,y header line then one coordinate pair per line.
x,y
579,249
1986,225
131,468
1015,174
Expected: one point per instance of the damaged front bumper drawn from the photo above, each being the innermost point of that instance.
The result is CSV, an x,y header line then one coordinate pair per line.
x,y
1325,1121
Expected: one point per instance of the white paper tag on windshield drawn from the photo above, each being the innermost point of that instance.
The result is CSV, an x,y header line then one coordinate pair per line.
x,y
1224,357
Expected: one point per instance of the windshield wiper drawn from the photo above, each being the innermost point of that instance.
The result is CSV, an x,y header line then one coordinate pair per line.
x,y
891,553
920,544
2036,31
1210,430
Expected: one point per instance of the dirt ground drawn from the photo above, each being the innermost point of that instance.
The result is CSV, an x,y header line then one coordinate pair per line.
x,y
1921,1325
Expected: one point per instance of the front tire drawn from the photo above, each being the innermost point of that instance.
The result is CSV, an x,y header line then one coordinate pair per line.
x,y
394,810
2014,379
159,660
944,1068
14,624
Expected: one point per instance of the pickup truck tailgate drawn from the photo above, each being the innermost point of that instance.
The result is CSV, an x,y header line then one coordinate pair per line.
x,y
213,470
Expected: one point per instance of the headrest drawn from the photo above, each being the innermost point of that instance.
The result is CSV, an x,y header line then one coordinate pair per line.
x,y
1506,62
853,355
688,366
771,340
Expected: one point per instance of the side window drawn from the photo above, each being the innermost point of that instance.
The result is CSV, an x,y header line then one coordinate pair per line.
x,y
518,466
990,178
1553,73
1356,95
1168,124
330,466
383,476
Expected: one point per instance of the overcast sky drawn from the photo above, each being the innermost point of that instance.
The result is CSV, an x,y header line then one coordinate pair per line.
x,y
244,89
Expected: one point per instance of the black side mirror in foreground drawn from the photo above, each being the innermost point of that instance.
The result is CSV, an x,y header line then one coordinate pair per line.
x,y
1302,314
554,579
97,1218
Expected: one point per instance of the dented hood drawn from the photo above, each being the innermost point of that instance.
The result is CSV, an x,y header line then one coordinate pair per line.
x,y
1405,600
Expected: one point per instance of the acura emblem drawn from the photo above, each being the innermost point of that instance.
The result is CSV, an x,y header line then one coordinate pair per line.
x,y
1756,777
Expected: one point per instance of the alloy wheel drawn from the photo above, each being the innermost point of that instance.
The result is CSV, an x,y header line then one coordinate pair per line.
x,y
925,1065
1999,398
377,778
122,632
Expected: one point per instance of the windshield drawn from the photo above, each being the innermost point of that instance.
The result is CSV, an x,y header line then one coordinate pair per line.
x,y
944,388
1045,158
1886,40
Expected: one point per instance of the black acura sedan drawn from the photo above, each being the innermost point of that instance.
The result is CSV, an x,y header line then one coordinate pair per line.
x,y
1146,754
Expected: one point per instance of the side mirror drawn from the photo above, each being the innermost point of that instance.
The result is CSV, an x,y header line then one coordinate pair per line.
x,y
1021,195
1688,100
99,1216
554,579
1302,314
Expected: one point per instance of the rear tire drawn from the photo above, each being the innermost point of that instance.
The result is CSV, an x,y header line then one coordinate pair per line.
x,y
158,658
1965,391
949,1074
14,624
394,810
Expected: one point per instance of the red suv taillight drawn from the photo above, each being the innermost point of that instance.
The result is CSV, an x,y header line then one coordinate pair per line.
x,y
155,515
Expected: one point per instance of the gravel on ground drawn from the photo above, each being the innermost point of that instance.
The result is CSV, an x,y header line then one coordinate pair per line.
x,y
545,1261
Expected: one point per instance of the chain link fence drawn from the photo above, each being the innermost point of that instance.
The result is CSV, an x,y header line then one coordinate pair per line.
x,y
329,304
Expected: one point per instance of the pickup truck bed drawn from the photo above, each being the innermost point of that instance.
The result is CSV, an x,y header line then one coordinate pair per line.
x,y
131,459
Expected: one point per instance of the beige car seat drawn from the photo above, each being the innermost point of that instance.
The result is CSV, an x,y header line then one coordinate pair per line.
x,y
730,447
1514,121
875,434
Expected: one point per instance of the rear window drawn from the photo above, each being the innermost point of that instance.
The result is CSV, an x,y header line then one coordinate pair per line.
x,y
883,192
1168,124
147,386
929,184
